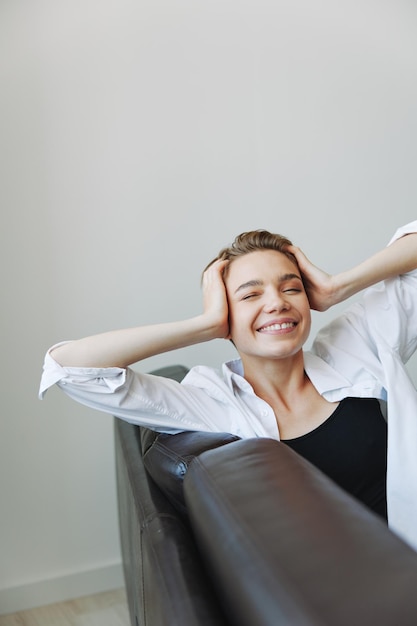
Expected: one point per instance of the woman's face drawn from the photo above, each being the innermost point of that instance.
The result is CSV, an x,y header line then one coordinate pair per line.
x,y
269,312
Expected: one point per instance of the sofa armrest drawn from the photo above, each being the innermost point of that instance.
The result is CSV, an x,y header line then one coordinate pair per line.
x,y
288,546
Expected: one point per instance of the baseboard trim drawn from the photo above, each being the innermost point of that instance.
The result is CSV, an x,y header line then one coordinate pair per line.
x,y
61,588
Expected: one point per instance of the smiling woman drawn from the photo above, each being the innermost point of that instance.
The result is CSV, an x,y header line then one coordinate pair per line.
x,y
269,314
258,293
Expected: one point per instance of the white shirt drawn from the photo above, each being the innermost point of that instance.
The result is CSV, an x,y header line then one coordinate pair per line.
x,y
361,354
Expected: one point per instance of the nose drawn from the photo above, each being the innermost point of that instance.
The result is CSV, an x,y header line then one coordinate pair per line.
x,y
276,302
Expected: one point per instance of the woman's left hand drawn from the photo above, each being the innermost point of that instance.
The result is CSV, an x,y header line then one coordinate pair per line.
x,y
320,286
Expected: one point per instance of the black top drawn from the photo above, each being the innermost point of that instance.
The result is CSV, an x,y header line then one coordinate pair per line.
x,y
351,448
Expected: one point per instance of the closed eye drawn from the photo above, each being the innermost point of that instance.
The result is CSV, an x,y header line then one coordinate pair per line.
x,y
248,296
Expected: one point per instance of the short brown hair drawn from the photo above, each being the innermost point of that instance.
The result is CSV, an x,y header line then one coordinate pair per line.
x,y
254,240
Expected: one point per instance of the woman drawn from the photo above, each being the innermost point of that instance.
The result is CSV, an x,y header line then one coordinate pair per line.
x,y
326,403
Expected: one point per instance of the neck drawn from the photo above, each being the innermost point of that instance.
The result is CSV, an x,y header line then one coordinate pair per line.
x,y
276,377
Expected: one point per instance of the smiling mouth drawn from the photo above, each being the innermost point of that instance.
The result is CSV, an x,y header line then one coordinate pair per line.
x,y
282,326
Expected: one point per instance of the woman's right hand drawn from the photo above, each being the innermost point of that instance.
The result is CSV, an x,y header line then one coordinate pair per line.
x,y
216,308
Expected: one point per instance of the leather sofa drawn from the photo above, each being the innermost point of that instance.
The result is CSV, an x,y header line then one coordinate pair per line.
x,y
217,531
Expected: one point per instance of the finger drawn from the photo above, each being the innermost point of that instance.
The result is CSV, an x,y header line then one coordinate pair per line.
x,y
215,270
304,263
220,265
297,252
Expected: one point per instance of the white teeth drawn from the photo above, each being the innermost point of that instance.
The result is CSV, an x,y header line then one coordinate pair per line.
x,y
277,326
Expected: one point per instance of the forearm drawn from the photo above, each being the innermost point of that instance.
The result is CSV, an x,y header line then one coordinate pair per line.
x,y
398,258
121,348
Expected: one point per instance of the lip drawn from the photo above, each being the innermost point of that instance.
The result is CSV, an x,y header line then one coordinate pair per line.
x,y
278,326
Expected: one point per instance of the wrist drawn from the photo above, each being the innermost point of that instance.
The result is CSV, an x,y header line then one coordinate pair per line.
x,y
342,287
350,282
213,327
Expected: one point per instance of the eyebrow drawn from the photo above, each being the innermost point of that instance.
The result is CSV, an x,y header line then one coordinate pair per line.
x,y
258,283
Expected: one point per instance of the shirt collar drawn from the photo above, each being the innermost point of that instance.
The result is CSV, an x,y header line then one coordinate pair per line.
x,y
233,371
321,374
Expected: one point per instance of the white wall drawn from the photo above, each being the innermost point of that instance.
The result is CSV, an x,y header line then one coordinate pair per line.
x,y
137,138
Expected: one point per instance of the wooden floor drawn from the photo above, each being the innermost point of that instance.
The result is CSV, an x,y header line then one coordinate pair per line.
x,y
103,609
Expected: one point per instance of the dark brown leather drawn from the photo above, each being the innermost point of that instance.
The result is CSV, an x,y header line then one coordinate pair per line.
x,y
285,545
168,457
166,582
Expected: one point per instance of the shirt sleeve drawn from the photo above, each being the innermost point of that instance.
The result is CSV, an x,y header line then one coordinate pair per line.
x,y
152,401
384,319
409,228
107,379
